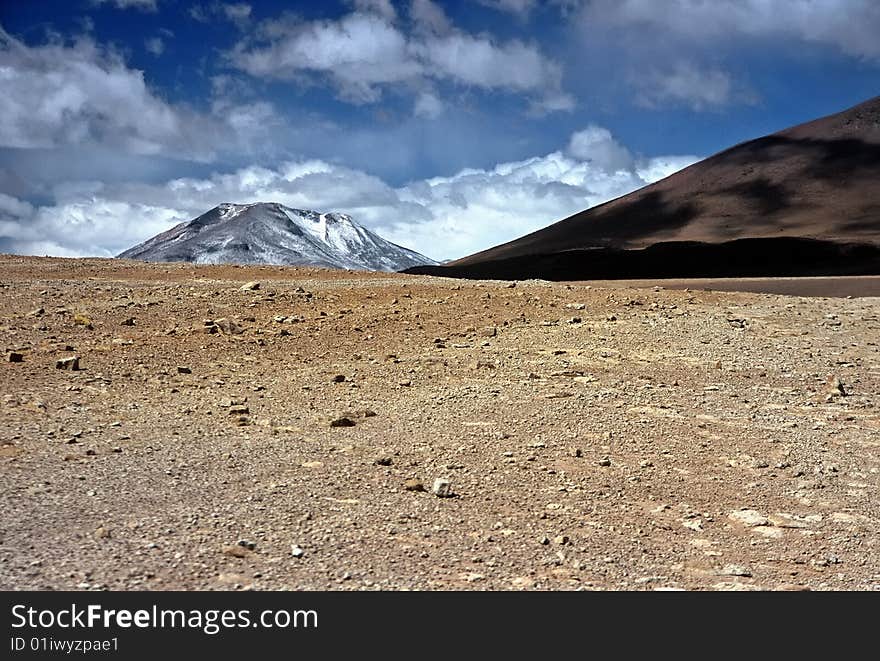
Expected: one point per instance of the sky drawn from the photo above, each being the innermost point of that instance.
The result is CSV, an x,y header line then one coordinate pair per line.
x,y
446,127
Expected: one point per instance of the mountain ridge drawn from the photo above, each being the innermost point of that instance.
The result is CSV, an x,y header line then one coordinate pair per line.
x,y
271,233
817,180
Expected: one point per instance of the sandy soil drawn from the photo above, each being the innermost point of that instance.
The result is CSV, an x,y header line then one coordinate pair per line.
x,y
591,438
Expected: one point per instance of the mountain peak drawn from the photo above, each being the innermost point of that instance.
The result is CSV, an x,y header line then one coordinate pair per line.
x,y
271,233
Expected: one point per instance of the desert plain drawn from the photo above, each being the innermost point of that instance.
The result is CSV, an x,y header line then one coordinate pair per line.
x,y
276,428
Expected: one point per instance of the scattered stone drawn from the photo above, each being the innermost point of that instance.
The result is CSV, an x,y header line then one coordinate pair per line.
x,y
749,518
339,378
605,461
561,540
228,326
237,551
835,386
70,363
250,286
39,312
342,422
183,370
14,357
577,453
383,461
576,306
414,484
735,570
127,322
102,533
296,551
239,409
575,320
442,488
249,545
489,331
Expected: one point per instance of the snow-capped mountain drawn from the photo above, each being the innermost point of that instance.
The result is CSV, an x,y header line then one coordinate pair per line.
x,y
270,233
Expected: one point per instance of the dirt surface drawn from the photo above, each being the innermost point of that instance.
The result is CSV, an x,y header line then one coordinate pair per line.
x,y
584,437
855,286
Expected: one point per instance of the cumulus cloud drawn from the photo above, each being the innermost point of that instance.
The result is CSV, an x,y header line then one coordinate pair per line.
x,y
365,51
596,145
443,217
59,95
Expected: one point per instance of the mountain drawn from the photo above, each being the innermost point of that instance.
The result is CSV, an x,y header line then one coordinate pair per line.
x,y
803,201
270,233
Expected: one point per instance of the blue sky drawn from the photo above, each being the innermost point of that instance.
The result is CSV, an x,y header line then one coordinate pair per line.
x,y
445,126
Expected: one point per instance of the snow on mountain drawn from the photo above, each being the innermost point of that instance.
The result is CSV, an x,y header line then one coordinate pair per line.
x,y
270,233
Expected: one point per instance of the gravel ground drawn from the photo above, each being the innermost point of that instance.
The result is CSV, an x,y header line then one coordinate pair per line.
x,y
293,435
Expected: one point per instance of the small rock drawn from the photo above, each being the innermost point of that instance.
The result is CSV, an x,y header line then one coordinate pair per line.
x,y
70,363
561,540
127,322
735,570
339,378
442,488
605,461
296,551
183,370
383,461
835,386
414,484
228,326
749,518
249,545
14,357
250,286
342,422
239,410
237,551
544,541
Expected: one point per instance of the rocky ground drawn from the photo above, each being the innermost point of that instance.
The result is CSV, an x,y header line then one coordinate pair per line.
x,y
333,430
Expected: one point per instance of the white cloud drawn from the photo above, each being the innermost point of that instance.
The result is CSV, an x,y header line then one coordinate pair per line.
x,y
442,217
382,8
363,52
143,5
357,52
521,8
428,106
155,46
237,12
429,16
58,95
689,85
851,26
596,145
